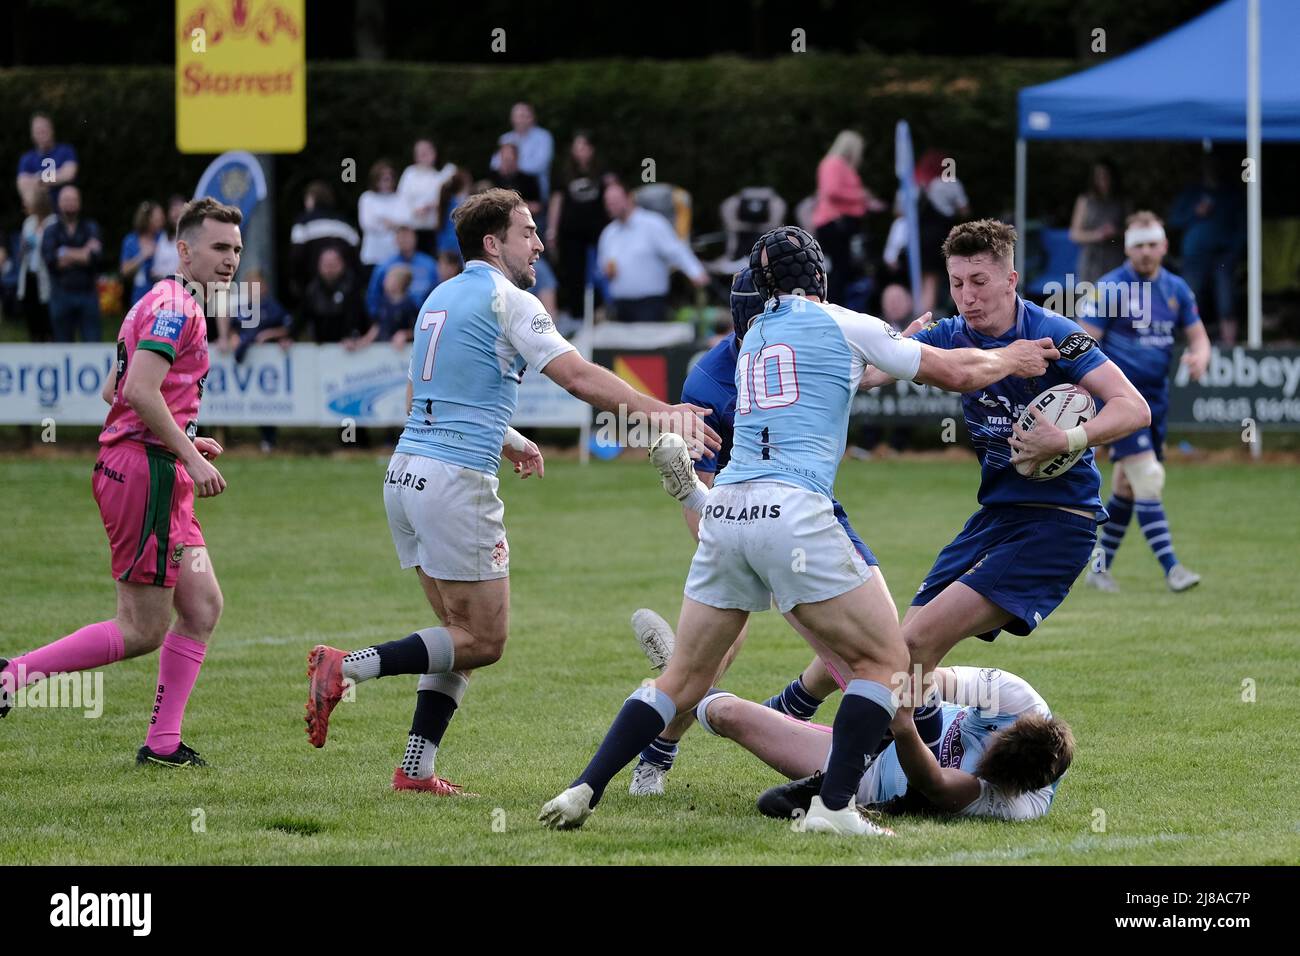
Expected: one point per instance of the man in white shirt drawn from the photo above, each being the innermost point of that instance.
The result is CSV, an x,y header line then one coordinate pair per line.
x,y
636,253
536,148
421,187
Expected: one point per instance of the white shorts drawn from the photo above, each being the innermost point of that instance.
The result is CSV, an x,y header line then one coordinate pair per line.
x,y
761,540
445,519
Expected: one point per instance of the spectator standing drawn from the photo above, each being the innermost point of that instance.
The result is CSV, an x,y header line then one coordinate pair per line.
x,y
423,270
1212,217
636,252
33,275
379,212
941,203
331,307
166,261
136,260
271,324
72,251
49,164
842,205
536,146
454,192
509,176
577,217
421,188
319,226
1097,224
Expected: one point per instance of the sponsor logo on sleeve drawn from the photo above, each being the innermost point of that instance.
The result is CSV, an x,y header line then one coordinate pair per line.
x,y
542,323
1075,344
167,324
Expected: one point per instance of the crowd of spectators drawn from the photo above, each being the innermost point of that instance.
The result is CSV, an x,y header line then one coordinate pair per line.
x,y
361,279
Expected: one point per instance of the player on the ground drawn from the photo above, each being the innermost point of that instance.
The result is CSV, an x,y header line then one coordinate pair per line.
x,y
475,336
1016,558
1002,754
768,529
712,383
150,467
1134,313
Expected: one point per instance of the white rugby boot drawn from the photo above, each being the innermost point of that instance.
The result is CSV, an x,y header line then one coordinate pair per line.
x,y
850,821
569,810
1102,581
648,780
671,457
655,636
1180,578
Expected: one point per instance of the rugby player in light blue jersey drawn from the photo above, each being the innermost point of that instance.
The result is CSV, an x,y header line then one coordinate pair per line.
x,y
1135,312
768,529
1002,753
475,335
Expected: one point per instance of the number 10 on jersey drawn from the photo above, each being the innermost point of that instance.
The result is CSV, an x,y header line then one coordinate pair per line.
x,y
767,379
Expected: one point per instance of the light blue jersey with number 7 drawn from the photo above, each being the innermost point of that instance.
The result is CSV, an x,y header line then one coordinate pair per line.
x,y
474,336
796,374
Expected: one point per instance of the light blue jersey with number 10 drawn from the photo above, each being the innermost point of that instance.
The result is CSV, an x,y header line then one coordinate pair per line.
x,y
475,335
796,373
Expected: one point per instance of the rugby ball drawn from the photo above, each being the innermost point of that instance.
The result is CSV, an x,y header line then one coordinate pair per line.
x,y
1064,406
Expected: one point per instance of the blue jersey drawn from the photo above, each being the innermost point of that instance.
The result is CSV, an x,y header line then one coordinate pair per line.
x,y
475,335
712,384
990,412
985,701
796,373
1138,318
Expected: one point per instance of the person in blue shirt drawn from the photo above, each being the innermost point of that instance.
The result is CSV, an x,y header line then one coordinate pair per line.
x,y
475,336
136,260
1016,558
1135,312
51,164
768,529
424,273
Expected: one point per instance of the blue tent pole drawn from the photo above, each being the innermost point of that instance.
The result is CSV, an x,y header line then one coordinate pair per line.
x,y
1254,264
1021,182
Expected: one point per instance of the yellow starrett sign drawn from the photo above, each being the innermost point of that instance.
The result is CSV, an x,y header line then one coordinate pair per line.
x,y
241,76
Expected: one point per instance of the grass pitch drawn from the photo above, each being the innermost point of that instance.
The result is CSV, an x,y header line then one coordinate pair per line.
x,y
1184,706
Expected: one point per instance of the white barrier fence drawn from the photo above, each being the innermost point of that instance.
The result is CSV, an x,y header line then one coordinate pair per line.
x,y
305,385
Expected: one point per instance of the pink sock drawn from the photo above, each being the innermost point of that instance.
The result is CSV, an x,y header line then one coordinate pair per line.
x,y
178,668
93,646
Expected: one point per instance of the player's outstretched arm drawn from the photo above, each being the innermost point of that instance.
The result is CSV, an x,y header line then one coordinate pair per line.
x,y
965,370
601,388
1125,412
143,392
947,789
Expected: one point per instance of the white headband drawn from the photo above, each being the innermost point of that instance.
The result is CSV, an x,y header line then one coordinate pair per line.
x,y
1136,235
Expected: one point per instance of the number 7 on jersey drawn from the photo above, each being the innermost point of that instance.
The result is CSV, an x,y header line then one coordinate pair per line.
x,y
431,320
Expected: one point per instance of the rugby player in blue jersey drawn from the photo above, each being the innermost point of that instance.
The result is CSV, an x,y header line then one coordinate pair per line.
x,y
1135,313
475,335
768,530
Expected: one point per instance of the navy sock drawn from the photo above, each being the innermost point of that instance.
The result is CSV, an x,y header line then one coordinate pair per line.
x,y
929,724
1151,518
433,712
1112,532
863,718
644,715
661,753
796,700
410,655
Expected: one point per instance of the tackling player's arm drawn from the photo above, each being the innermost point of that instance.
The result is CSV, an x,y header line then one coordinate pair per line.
x,y
948,789
601,388
143,392
965,370
1124,412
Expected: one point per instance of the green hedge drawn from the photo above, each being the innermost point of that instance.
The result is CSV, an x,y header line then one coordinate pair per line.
x,y
710,125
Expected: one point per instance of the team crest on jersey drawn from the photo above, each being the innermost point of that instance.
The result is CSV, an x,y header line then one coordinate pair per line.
x,y
500,555
1075,344
542,323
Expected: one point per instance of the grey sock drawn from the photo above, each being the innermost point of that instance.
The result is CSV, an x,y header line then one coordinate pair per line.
x,y
442,654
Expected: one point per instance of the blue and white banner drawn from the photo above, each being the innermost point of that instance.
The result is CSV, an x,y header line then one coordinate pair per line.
x,y
305,385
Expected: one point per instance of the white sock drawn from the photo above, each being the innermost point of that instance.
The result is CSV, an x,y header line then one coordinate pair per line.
x,y
361,665
695,500
420,753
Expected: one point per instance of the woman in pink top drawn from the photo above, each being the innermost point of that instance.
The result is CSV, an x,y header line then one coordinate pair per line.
x,y
842,203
